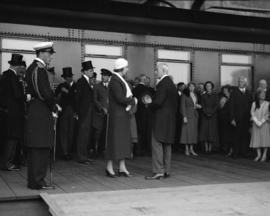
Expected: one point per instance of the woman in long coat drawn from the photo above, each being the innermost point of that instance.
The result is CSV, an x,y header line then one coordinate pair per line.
x,y
189,106
118,146
208,124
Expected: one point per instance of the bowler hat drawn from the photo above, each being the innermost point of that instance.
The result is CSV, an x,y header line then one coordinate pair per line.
x,y
87,65
67,72
16,59
105,72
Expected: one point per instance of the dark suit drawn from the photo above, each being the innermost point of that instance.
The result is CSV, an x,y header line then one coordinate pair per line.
x,y
84,109
12,101
119,127
240,112
101,100
39,129
164,106
143,119
66,96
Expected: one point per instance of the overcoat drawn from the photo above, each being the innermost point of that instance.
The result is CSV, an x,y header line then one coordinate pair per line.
x,y
209,124
12,101
84,98
189,134
118,144
164,107
39,120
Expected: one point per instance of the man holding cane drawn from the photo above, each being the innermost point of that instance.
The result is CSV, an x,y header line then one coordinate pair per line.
x,y
40,118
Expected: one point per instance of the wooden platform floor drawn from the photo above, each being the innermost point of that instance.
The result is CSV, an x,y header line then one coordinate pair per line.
x,y
71,177
247,199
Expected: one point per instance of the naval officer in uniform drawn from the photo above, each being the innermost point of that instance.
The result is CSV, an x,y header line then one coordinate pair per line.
x,y
40,120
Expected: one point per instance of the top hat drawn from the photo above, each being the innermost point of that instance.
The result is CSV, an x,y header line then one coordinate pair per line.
x,y
16,59
87,65
67,72
105,72
44,47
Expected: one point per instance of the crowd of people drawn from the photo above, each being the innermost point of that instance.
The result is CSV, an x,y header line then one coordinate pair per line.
x,y
118,119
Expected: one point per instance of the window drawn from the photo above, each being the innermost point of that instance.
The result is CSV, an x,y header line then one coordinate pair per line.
x,y
233,66
102,56
22,46
178,62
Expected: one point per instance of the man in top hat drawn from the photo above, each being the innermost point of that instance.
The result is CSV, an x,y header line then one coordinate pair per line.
x,y
41,111
84,109
100,112
65,93
12,104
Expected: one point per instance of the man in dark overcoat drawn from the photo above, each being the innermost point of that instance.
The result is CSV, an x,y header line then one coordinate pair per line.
x,y
39,119
101,110
12,102
164,106
84,109
65,93
241,101
143,117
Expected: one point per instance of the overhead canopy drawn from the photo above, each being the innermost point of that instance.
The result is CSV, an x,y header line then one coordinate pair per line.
x,y
136,18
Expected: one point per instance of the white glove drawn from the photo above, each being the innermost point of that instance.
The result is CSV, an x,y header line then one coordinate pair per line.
x,y
54,115
59,109
28,97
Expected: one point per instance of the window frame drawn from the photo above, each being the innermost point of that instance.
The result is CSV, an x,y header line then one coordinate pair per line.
x,y
18,51
98,56
251,65
176,60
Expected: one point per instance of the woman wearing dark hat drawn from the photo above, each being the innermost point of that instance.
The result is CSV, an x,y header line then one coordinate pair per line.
x,y
65,93
119,133
209,124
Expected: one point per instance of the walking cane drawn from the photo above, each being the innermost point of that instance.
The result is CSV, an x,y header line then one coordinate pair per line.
x,y
52,153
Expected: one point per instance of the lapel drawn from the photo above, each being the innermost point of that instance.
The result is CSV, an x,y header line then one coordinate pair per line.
x,y
163,80
86,83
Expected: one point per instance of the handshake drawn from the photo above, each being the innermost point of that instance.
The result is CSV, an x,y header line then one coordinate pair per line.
x,y
146,99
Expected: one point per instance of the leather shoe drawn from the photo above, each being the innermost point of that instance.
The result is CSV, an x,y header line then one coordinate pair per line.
x,y
110,174
85,162
13,168
125,174
46,187
167,175
154,176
